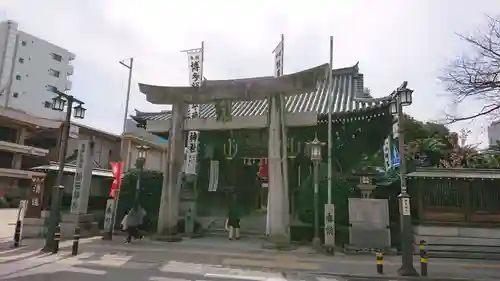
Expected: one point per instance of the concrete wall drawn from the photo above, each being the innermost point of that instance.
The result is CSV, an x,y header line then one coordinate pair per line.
x,y
459,242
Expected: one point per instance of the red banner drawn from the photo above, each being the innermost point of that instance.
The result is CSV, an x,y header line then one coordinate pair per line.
x,y
116,169
263,171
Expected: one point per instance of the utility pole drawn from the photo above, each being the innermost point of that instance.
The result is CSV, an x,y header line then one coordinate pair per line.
x,y
108,234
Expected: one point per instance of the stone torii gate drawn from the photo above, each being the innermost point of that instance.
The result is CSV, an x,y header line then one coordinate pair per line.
x,y
227,91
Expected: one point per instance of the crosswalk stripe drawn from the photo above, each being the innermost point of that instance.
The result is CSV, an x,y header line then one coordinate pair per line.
x,y
10,250
218,271
240,277
28,263
110,260
320,278
74,260
20,256
161,278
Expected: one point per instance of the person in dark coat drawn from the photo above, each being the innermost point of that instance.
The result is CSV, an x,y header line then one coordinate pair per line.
x,y
132,221
233,221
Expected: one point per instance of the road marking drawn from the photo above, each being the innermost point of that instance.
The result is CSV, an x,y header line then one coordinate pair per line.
x,y
218,271
20,256
319,278
74,260
183,267
281,263
111,260
27,264
49,268
11,250
161,278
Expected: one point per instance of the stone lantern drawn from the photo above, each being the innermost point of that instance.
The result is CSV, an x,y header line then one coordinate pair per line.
x,y
366,187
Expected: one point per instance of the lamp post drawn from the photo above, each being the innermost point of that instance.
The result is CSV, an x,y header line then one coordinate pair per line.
x,y
72,105
314,150
403,97
142,151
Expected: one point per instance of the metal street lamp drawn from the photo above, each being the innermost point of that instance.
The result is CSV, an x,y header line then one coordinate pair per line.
x,y
403,97
59,103
313,149
142,151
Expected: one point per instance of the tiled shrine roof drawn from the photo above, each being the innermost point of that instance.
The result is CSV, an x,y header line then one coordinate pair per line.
x,y
348,96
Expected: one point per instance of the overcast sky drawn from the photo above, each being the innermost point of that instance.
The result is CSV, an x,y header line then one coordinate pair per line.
x,y
393,40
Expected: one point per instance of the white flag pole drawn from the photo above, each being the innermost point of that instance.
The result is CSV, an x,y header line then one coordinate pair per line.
x,y
284,142
330,109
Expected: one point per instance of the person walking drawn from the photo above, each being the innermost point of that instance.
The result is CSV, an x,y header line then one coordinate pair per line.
x,y
132,222
233,221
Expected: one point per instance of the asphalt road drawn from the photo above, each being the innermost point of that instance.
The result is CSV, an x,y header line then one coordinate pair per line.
x,y
99,260
30,264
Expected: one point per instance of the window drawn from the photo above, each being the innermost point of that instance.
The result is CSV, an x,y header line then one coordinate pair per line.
x,y
15,94
51,88
56,57
18,77
21,60
23,43
47,104
54,73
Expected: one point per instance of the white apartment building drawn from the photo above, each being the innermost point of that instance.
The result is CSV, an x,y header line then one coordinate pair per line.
x,y
31,70
493,133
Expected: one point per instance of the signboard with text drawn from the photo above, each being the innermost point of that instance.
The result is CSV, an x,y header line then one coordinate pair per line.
x,y
34,203
82,178
329,225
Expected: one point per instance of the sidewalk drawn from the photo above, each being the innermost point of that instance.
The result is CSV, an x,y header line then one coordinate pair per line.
x,y
250,254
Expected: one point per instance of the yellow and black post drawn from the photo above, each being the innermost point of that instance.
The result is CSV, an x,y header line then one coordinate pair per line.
x,y
57,238
423,259
76,239
380,263
17,234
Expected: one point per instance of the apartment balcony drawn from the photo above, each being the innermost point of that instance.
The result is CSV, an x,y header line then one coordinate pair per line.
x,y
69,85
71,69
22,149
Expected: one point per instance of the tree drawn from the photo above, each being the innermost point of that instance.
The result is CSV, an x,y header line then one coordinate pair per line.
x,y
476,76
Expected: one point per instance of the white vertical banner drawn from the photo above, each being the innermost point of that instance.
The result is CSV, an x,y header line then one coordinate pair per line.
x,y
82,178
195,65
213,181
387,153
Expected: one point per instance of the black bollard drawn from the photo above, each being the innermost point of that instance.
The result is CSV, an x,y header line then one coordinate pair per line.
x,y
76,238
57,238
17,234
380,263
423,259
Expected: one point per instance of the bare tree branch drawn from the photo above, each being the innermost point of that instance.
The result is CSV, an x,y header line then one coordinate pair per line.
x,y
476,76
